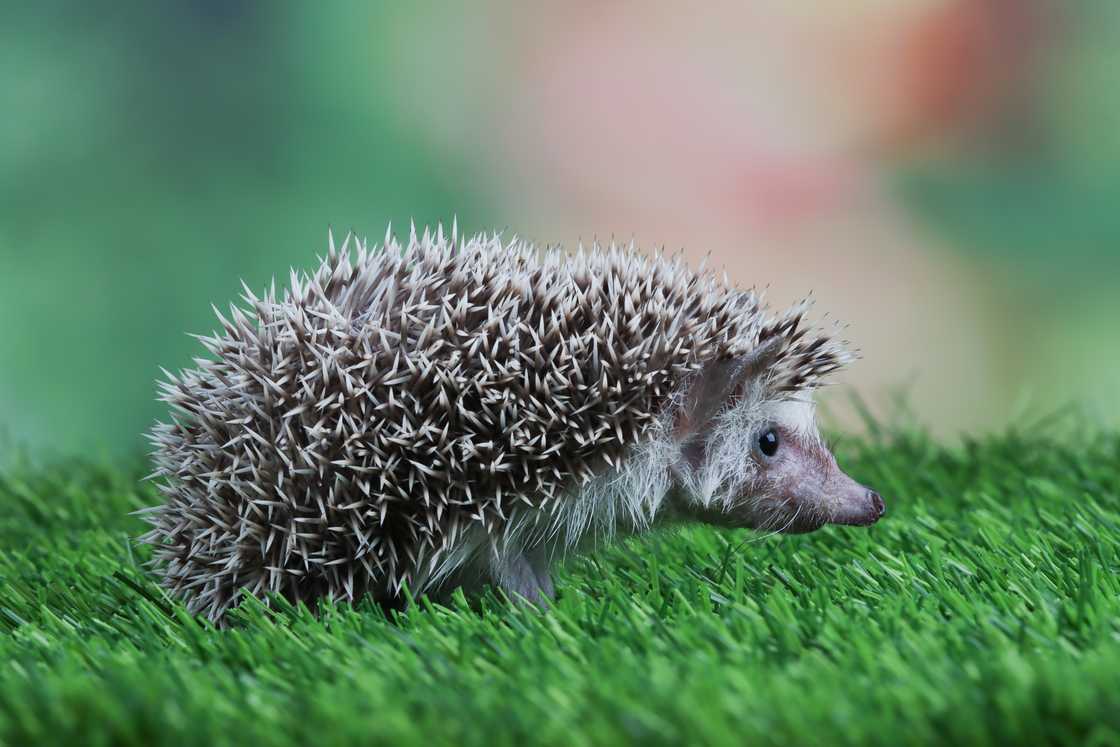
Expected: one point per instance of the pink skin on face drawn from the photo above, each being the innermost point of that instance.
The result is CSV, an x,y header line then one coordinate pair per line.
x,y
799,487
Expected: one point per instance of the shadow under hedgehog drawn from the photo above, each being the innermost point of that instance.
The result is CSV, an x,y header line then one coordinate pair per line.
x,y
460,411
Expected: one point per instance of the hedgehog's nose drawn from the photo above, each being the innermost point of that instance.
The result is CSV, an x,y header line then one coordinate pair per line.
x,y
877,503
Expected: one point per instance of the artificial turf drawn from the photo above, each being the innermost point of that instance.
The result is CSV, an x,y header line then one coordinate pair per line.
x,y
985,609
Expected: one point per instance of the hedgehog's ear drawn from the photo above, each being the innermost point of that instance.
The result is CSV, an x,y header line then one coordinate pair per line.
x,y
714,384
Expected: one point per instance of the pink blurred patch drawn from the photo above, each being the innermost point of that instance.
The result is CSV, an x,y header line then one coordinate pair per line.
x,y
780,192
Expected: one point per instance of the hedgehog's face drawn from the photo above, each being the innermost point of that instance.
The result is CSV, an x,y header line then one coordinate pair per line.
x,y
762,464
795,485
767,468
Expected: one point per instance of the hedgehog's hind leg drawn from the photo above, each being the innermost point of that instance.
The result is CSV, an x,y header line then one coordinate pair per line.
x,y
523,577
540,566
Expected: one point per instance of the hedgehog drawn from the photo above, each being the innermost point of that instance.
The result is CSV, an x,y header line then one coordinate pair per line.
x,y
460,411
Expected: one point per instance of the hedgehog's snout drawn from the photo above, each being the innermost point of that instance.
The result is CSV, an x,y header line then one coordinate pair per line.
x,y
859,507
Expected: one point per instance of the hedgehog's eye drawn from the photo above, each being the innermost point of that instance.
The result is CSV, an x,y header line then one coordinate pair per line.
x,y
768,442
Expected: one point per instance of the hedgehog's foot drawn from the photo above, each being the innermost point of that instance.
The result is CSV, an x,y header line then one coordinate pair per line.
x,y
522,577
544,577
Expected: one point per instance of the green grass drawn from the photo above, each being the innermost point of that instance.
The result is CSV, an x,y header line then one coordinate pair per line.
x,y
985,609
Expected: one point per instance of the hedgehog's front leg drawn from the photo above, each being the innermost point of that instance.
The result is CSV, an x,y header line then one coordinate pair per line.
x,y
525,576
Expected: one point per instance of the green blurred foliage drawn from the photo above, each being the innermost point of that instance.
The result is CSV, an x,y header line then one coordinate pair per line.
x,y
1043,188
1036,201
153,154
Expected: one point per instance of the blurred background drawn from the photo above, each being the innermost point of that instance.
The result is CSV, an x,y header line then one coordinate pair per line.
x,y
942,174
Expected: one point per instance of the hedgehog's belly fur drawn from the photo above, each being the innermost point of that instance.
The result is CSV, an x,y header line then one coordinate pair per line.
x,y
345,436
